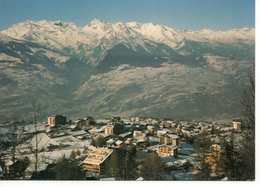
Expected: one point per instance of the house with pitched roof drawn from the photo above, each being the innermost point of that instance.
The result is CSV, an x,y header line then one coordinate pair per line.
x,y
167,150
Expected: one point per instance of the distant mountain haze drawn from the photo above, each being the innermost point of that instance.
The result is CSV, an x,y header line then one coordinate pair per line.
x,y
123,69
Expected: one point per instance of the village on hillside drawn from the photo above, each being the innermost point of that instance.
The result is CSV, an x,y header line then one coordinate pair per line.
x,y
116,148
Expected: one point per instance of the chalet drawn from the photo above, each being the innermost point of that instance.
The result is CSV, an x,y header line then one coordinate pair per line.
x,y
80,123
169,139
56,119
150,130
167,150
139,135
94,164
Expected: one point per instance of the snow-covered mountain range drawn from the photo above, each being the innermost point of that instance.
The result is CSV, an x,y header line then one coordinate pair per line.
x,y
107,69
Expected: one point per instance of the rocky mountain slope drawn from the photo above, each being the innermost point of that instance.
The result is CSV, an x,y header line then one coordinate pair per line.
x,y
107,69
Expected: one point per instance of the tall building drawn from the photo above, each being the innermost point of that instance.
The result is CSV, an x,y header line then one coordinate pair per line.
x,y
56,119
169,139
109,129
237,125
94,164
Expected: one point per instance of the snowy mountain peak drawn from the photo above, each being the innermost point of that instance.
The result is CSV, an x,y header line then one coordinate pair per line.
x,y
97,21
29,29
133,24
123,68
59,34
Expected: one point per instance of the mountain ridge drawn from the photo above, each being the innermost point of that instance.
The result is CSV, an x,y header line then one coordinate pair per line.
x,y
75,70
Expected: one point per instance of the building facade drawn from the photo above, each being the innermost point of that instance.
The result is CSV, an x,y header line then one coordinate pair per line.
x,y
167,150
237,125
109,129
170,139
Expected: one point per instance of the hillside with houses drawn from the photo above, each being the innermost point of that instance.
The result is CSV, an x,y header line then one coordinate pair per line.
x,y
117,148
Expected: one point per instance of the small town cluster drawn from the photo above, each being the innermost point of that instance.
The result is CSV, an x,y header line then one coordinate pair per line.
x,y
94,141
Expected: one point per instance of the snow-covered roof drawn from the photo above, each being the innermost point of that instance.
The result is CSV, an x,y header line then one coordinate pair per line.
x,y
42,141
103,120
110,141
140,179
40,167
98,156
78,133
173,136
170,146
8,163
118,142
125,134
181,162
108,179
161,132
153,147
153,139
73,126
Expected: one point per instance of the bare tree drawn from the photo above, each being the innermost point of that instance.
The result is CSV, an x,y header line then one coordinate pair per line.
x,y
17,138
36,112
33,143
152,168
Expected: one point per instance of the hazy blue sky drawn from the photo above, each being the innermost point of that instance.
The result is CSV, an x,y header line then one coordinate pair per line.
x,y
180,14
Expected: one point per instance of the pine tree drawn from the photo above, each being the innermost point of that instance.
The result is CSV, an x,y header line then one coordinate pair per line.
x,y
68,169
232,164
78,153
152,168
129,166
202,145
99,142
240,152
248,142
113,166
73,155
